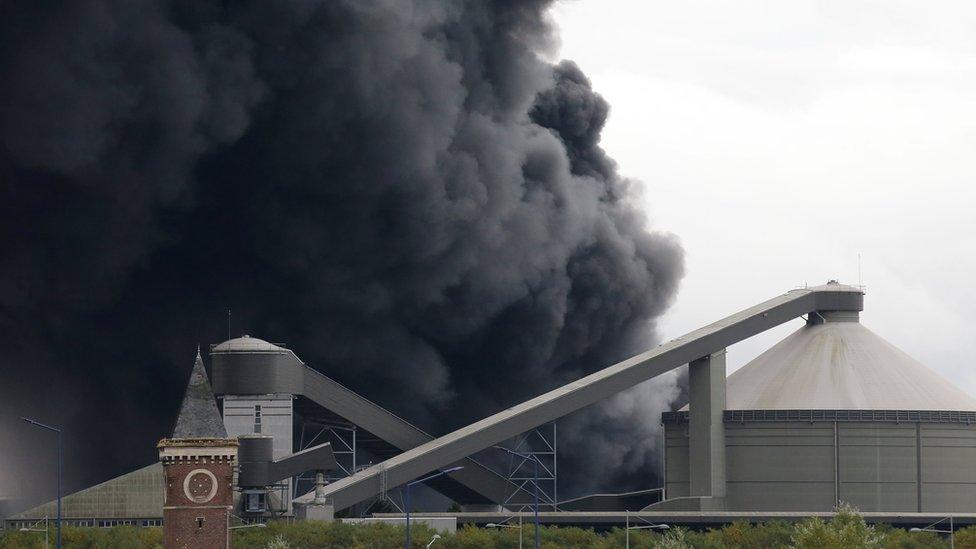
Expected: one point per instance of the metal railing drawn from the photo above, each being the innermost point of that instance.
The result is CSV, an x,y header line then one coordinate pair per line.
x,y
896,416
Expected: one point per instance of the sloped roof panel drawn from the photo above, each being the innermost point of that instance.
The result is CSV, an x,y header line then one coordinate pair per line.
x,y
840,366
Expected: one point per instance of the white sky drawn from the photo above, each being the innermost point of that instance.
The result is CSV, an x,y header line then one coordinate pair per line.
x,y
781,139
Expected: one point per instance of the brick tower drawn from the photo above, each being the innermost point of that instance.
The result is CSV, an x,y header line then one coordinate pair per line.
x,y
198,460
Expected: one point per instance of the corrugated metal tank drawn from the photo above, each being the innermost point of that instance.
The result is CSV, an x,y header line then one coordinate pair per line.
x,y
833,413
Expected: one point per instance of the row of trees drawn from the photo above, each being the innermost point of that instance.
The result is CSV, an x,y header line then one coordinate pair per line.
x,y
846,530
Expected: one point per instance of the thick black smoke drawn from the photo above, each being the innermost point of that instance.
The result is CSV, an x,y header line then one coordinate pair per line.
x,y
404,192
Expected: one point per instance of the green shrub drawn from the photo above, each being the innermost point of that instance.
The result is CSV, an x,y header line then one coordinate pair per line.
x,y
896,538
18,540
675,538
330,535
846,530
743,535
470,537
966,538
639,539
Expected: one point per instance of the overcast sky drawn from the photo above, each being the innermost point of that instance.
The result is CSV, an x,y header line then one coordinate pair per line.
x,y
781,139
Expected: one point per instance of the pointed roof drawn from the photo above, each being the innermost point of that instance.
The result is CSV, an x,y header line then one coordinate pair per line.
x,y
840,366
199,417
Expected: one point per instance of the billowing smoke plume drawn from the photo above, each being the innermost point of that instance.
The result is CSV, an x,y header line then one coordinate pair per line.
x,y
404,192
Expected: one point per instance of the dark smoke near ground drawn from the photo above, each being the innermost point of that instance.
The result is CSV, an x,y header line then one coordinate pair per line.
x,y
405,193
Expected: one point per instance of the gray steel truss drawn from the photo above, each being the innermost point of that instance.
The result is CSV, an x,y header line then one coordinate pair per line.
x,y
458,445
343,440
538,445
279,371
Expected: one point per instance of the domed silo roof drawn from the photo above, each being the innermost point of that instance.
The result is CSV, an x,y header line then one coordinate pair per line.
x,y
838,364
245,344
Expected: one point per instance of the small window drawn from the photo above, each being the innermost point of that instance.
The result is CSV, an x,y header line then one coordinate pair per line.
x,y
200,522
257,418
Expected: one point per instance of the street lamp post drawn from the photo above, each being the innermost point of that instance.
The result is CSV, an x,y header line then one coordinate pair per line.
x,y
640,527
406,497
58,431
503,525
951,531
249,525
535,484
46,531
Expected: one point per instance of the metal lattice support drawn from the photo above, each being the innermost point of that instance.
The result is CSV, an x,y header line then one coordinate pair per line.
x,y
384,495
393,498
538,444
397,502
343,440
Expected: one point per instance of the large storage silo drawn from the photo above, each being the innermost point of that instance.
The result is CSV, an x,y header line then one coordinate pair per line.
x,y
834,413
242,369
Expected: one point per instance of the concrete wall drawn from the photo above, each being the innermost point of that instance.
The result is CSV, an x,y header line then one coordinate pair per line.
x,y
810,466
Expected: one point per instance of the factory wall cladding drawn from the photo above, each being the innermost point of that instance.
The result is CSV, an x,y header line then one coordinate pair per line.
x,y
271,415
876,466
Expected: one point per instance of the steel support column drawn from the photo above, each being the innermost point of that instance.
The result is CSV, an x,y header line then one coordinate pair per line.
x,y
706,380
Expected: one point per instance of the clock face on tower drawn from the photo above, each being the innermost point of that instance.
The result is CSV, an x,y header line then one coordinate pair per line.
x,y
200,485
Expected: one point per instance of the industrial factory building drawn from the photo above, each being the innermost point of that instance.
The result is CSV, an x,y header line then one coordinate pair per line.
x,y
833,413
134,499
